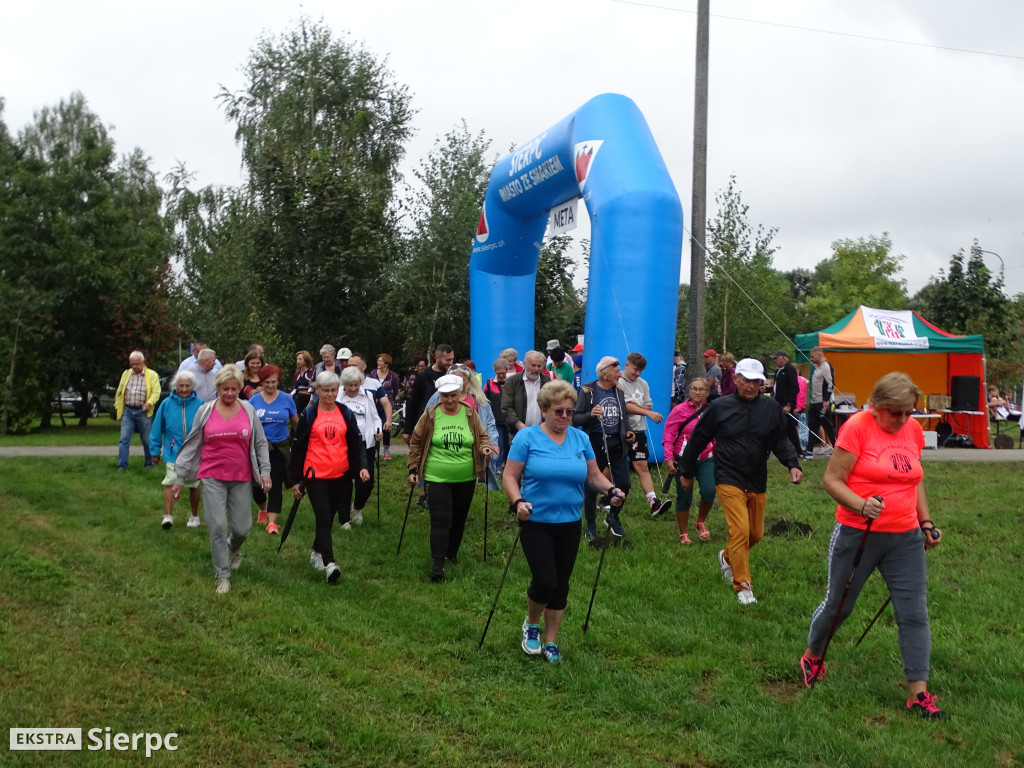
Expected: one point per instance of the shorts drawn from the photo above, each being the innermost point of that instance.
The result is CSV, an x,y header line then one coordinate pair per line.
x,y
638,448
170,478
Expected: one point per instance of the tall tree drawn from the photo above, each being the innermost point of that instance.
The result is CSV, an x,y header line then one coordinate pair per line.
x,y
85,230
321,124
429,288
969,298
746,297
559,308
861,271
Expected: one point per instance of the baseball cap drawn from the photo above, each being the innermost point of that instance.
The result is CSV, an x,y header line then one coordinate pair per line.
x,y
577,348
450,382
710,353
552,344
779,353
750,369
577,360
344,353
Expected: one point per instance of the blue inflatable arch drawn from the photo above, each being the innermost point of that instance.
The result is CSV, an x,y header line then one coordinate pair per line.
x,y
605,153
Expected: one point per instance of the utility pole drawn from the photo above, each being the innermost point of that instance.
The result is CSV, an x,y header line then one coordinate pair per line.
x,y
698,203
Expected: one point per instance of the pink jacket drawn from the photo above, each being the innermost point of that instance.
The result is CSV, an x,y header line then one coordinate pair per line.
x,y
674,439
801,393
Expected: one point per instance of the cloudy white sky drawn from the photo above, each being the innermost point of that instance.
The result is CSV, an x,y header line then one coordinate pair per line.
x,y
829,135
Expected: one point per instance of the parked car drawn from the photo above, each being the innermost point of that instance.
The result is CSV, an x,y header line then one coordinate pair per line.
x,y
70,401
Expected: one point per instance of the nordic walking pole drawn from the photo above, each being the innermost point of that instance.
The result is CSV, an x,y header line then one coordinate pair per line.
x,y
377,461
653,449
936,535
597,578
511,554
487,497
402,535
842,600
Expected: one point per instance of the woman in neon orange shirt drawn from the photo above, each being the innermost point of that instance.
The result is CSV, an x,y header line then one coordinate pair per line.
x,y
875,475
327,440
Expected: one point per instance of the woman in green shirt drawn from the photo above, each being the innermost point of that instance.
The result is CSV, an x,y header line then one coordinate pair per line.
x,y
450,449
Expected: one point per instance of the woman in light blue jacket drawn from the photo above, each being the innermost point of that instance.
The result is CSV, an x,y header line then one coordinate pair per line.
x,y
171,424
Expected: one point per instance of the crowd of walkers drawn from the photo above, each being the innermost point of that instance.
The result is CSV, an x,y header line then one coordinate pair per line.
x,y
561,449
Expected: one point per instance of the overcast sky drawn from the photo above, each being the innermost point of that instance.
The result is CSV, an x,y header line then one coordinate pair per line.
x,y
829,135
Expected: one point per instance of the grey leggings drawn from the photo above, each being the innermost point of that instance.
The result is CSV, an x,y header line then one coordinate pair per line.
x,y
899,558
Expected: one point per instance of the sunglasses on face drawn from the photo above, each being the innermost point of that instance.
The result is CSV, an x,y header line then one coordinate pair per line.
x,y
898,414
562,412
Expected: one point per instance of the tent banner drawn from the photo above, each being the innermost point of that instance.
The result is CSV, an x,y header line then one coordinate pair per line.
x,y
893,329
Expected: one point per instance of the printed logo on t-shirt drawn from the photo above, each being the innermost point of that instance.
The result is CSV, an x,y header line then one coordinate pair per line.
x,y
245,432
901,462
611,416
452,438
260,413
330,432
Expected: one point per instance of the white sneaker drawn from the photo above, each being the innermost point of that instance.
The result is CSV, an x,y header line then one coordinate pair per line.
x,y
746,595
357,517
316,560
234,559
333,573
724,566
193,521
167,522
223,585
347,527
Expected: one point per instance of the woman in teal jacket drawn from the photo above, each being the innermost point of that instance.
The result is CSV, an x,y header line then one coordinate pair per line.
x,y
171,424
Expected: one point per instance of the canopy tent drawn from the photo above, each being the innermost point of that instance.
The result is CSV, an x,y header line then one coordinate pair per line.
x,y
868,343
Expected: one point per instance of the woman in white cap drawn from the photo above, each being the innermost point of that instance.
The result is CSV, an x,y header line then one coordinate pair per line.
x,y
450,449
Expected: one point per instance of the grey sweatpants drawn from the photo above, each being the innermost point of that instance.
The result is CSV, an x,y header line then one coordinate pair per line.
x,y
221,499
899,557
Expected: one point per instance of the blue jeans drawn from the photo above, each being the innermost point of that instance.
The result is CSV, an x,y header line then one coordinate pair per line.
x,y
134,420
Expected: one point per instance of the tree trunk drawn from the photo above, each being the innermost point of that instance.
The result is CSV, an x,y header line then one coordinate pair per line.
x,y
698,209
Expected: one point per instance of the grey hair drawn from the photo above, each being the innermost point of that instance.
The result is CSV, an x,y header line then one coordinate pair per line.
x,y
534,353
351,375
327,379
183,374
205,353
137,354
327,349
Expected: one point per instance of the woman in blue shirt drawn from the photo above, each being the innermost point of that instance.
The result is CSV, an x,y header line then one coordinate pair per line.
x,y
554,464
278,415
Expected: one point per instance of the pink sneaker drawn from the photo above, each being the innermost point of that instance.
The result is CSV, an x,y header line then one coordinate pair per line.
x,y
702,531
684,538
262,518
273,529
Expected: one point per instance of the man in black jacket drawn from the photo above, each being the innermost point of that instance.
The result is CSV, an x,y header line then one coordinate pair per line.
x,y
786,391
601,413
745,426
519,407
444,356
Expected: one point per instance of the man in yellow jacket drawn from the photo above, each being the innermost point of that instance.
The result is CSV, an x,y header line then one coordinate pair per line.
x,y
134,401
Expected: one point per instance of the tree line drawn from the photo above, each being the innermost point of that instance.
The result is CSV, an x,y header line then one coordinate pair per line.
x,y
325,241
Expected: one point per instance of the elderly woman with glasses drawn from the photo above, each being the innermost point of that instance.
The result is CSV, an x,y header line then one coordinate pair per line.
x,y
449,448
882,521
678,428
554,464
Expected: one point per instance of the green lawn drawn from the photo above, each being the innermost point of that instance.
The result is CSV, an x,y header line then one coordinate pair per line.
x,y
108,621
103,430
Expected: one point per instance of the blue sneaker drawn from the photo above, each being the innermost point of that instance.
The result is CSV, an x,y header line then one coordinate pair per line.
x,y
614,524
590,534
551,652
531,639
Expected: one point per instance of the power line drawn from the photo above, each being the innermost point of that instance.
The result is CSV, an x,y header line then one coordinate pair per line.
x,y
828,31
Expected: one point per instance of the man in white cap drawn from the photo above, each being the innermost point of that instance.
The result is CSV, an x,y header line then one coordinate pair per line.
x,y
601,413
745,426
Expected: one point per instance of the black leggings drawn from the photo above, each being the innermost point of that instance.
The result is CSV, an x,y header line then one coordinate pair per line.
x,y
550,550
364,490
449,508
817,418
273,499
328,498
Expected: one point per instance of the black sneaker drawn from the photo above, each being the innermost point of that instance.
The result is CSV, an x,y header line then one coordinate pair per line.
x,y
660,507
422,501
437,572
925,706
614,524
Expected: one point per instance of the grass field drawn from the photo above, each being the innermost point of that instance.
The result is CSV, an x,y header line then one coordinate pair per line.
x,y
103,430
106,620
